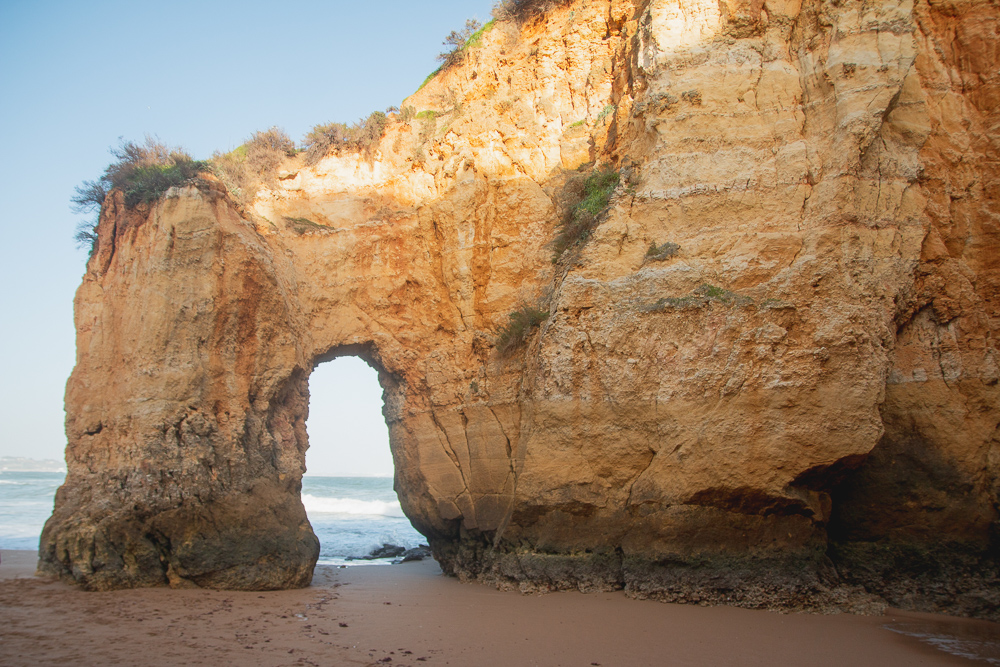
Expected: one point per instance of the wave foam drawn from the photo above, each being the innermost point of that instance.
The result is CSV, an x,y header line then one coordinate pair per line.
x,y
351,506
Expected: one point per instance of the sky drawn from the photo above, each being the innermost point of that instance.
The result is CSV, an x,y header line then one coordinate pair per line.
x,y
77,76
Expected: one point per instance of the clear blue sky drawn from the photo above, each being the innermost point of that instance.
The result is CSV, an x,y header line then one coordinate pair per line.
x,y
76,76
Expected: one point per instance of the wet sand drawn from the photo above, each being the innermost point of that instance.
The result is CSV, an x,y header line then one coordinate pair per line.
x,y
413,615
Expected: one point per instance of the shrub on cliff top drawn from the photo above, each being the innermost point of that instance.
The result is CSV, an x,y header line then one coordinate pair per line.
x,y
143,172
523,10
363,137
457,40
254,164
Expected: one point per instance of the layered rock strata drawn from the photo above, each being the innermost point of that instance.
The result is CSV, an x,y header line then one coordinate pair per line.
x,y
794,406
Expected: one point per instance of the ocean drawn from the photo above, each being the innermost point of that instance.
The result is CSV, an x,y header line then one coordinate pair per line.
x,y
351,516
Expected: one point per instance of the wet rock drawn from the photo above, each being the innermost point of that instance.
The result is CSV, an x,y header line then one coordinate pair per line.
x,y
417,553
385,551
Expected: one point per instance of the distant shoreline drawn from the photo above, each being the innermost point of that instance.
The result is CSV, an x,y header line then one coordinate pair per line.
x,y
324,474
23,464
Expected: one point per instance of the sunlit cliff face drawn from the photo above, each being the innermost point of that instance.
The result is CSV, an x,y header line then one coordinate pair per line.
x,y
673,29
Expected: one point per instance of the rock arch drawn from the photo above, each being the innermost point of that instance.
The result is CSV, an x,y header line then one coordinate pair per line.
x,y
200,481
681,423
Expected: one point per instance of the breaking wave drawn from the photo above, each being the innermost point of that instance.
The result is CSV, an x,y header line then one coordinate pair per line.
x,y
351,506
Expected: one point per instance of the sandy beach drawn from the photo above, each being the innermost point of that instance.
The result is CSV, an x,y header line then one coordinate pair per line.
x,y
413,615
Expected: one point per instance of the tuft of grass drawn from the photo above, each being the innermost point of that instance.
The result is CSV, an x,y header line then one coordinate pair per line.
x,y
700,297
430,76
426,114
576,124
302,225
659,253
597,191
605,112
254,164
583,217
711,291
515,332
142,172
476,40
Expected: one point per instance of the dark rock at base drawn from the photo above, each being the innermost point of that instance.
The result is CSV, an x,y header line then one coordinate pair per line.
x,y
417,553
804,581
385,551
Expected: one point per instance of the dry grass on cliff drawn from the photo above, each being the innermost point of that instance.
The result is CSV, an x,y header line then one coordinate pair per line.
x,y
253,165
659,253
515,332
525,10
361,137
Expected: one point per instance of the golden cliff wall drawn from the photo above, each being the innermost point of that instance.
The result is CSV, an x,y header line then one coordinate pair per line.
x,y
812,376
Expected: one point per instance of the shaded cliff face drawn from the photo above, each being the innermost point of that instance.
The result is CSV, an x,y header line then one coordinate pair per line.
x,y
815,361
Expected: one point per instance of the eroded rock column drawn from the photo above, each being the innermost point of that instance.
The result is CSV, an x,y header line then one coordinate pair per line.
x,y
185,412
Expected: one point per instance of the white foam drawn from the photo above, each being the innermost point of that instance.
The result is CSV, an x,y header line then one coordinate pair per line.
x,y
351,506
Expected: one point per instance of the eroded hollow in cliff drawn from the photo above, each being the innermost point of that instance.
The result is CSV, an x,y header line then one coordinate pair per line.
x,y
348,490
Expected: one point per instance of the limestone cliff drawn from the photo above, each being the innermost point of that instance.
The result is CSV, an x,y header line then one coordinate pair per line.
x,y
795,406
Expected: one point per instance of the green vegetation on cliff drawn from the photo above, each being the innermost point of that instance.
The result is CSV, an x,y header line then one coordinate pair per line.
x,y
143,172
459,42
583,216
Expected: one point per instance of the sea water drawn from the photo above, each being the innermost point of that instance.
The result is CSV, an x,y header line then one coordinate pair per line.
x,y
26,500
351,516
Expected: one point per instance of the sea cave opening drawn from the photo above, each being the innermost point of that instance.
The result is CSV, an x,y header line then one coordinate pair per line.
x,y
347,489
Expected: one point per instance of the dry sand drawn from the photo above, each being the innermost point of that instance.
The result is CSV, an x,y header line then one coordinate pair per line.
x,y
413,615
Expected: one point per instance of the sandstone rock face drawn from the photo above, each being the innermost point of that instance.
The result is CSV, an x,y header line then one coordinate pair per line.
x,y
797,402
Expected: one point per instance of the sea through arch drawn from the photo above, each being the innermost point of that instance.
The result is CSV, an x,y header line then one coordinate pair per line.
x,y
348,489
